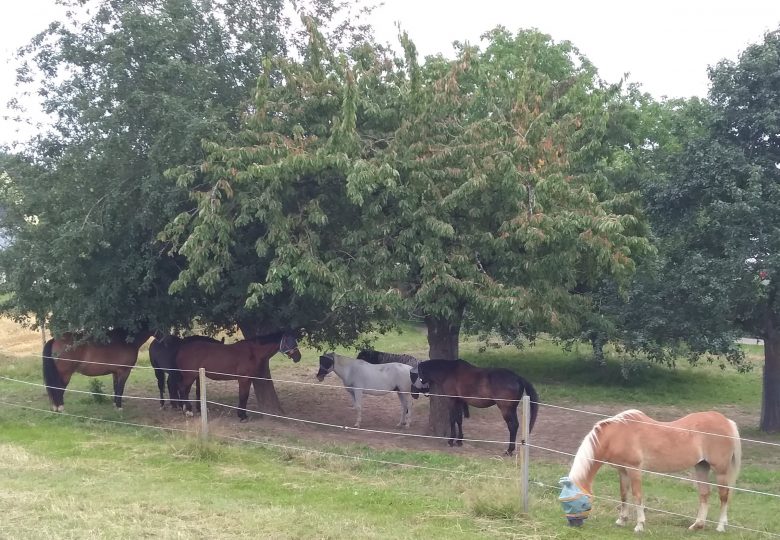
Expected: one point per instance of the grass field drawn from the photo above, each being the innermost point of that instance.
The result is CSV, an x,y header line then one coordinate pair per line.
x,y
68,477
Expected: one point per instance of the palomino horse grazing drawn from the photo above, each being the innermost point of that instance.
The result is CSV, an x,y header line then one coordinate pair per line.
x,y
465,384
69,354
162,356
237,361
632,441
360,378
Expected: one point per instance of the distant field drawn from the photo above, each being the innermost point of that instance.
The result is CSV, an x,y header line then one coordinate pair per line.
x,y
67,477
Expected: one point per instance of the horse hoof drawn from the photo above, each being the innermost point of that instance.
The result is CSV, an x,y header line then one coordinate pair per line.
x,y
188,413
696,526
509,453
60,408
459,443
721,527
242,420
640,527
620,522
451,443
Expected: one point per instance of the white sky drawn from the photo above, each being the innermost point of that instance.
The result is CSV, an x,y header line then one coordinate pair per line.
x,y
666,45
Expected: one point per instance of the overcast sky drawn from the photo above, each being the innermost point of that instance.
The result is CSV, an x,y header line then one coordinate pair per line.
x,y
666,45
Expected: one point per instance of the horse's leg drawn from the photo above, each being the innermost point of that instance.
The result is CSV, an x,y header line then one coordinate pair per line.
x,y
453,422
243,396
184,393
61,393
725,493
623,512
197,392
636,488
702,477
358,396
351,397
405,410
160,375
173,389
509,412
120,378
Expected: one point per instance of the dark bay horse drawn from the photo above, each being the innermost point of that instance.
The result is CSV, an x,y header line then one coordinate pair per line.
x,y
239,361
466,384
162,356
69,354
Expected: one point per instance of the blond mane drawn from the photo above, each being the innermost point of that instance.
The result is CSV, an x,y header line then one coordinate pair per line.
x,y
583,459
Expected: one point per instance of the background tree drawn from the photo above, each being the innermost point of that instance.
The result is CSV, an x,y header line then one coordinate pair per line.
x,y
133,88
716,211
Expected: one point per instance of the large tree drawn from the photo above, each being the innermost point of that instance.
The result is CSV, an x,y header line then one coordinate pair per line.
x,y
447,190
719,215
132,87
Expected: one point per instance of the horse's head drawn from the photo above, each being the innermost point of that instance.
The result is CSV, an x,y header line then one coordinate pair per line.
x,y
575,501
326,366
289,346
419,384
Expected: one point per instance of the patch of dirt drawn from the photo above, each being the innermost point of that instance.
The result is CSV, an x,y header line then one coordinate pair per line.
x,y
328,403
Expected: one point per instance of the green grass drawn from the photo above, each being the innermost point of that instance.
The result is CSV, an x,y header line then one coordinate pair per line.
x,y
66,477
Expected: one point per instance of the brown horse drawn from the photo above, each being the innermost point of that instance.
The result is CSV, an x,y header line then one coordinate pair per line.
x,y
239,361
466,384
632,441
69,354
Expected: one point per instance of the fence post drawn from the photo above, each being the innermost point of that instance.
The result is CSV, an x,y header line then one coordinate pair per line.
x,y
204,412
525,418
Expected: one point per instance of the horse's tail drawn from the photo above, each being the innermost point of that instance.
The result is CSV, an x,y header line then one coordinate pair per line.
x,y
55,386
466,409
736,456
529,389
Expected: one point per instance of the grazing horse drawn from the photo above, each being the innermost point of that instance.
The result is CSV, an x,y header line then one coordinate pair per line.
x,y
239,361
162,356
465,384
360,378
378,357
69,354
632,441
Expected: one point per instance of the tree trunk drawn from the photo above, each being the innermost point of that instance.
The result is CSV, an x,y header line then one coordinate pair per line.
x,y
442,344
770,404
265,392
597,342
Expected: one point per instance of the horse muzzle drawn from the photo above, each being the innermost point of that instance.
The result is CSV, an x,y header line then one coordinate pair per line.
x,y
575,501
294,355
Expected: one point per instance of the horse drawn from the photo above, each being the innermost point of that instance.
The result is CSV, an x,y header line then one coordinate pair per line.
x,y
360,377
378,357
235,361
70,353
465,384
632,441
162,356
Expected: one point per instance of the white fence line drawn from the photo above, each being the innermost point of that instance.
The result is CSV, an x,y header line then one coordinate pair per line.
x,y
541,404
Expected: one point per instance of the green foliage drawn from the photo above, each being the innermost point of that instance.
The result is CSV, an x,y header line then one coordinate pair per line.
x,y
97,390
134,86
366,184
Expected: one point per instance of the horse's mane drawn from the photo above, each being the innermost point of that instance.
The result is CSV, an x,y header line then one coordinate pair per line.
x,y
268,338
583,459
380,357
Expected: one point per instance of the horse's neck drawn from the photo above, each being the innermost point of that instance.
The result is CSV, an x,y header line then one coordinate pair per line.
x,y
587,462
343,366
263,351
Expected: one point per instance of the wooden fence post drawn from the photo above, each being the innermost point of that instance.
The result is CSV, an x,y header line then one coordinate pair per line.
x,y
204,412
525,418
